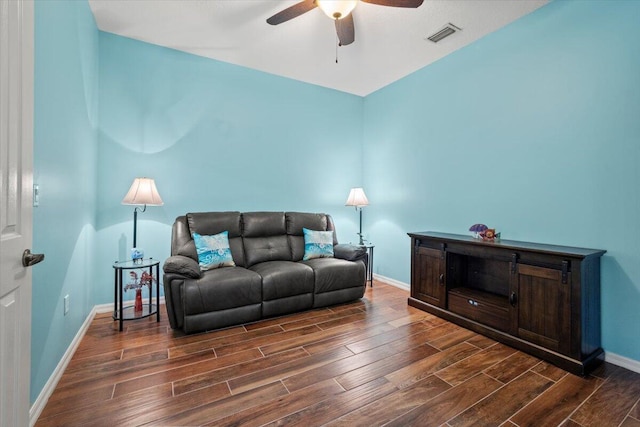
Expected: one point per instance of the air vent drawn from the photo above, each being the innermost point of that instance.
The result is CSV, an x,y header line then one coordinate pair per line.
x,y
446,31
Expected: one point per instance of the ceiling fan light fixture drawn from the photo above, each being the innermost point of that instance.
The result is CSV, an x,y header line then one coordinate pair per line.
x,y
337,9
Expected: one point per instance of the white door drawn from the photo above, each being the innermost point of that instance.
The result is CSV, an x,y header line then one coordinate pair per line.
x,y
16,154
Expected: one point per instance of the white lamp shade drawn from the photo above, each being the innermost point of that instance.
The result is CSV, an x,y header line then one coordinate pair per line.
x,y
143,191
357,198
337,9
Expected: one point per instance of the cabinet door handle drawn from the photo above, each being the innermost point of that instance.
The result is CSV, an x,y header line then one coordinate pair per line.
x,y
513,299
442,278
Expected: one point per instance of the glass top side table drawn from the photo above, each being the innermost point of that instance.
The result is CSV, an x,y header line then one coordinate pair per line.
x,y
129,312
370,248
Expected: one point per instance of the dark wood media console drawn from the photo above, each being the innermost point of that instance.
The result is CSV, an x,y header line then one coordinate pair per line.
x,y
541,299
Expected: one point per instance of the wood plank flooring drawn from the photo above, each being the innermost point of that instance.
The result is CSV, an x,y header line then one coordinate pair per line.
x,y
372,362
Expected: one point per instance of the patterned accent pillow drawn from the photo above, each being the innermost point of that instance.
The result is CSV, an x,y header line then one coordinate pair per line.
x,y
213,251
317,244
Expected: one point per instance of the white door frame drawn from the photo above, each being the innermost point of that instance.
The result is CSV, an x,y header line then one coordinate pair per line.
x,y
16,182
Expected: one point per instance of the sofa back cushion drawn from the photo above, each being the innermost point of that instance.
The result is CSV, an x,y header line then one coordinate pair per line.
x,y
265,237
210,223
296,221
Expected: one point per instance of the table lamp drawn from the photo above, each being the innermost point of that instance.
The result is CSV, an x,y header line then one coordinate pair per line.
x,y
358,199
143,192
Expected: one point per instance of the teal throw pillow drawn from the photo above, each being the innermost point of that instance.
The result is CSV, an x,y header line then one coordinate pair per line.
x,y
213,251
317,244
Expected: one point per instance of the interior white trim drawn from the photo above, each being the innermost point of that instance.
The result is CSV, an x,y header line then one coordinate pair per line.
x,y
392,282
50,386
47,390
104,308
615,359
624,362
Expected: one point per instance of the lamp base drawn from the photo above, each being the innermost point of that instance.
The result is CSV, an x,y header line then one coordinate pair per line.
x,y
362,241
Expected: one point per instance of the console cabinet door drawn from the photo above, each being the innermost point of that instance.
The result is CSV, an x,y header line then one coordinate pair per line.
x,y
543,307
428,277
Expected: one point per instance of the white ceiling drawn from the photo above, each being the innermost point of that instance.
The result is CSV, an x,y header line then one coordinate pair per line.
x,y
389,44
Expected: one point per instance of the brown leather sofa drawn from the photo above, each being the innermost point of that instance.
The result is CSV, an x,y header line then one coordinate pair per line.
x,y
270,277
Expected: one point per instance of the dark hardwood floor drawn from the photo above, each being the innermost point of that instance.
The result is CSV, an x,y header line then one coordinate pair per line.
x,y
372,362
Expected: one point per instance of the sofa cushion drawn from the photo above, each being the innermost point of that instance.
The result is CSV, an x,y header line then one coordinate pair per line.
x,y
210,223
296,221
317,244
213,251
333,274
263,224
221,289
265,237
284,279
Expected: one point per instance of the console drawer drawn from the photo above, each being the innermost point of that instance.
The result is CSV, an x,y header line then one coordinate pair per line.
x,y
487,308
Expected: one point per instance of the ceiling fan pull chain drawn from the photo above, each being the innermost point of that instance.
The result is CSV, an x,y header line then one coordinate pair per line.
x,y
337,44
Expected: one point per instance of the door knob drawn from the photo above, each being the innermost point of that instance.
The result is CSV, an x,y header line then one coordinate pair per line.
x,y
29,259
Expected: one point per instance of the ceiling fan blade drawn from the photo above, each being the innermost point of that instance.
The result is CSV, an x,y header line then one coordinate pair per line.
x,y
292,12
396,3
345,29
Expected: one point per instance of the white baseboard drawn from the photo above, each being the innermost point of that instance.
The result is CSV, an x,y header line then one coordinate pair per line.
x,y
108,307
392,282
615,359
103,308
50,386
624,362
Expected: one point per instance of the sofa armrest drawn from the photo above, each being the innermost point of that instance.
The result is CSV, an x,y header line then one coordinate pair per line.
x,y
350,252
182,265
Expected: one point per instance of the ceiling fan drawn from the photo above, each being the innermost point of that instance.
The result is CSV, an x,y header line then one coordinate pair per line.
x,y
338,10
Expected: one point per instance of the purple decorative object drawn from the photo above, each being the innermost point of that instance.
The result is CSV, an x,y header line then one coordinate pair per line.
x,y
476,229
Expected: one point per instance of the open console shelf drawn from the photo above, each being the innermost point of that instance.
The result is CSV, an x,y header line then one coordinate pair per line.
x,y
542,299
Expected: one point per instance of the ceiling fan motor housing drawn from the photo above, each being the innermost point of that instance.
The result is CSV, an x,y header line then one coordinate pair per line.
x,y
337,9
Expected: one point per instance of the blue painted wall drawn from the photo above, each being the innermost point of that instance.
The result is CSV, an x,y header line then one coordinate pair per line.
x,y
65,165
533,130
214,136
